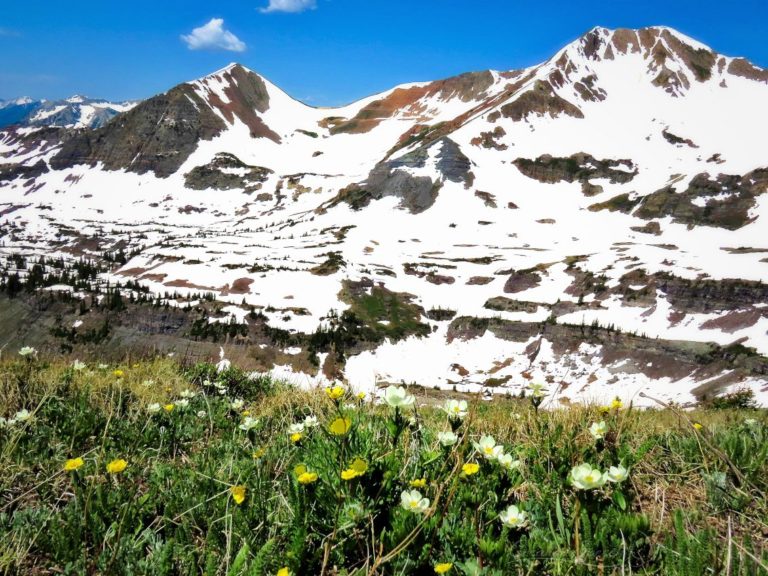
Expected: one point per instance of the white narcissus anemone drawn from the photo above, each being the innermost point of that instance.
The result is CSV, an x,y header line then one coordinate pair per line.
x,y
183,403
413,501
248,423
508,462
22,415
311,421
153,408
237,404
187,393
488,448
584,477
617,474
78,366
513,517
598,430
398,397
297,428
447,438
27,351
456,409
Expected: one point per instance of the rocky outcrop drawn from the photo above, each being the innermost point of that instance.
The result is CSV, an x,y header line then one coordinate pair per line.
x,y
227,172
580,167
10,172
540,100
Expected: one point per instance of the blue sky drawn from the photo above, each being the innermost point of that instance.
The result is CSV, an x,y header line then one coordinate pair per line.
x,y
325,52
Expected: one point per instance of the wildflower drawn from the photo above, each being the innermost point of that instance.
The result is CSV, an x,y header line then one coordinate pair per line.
x,y
335,393
73,464
296,437
413,501
103,366
183,403
284,571
537,390
245,413
398,397
297,428
349,406
443,567
238,494
340,426
223,363
118,373
202,413
153,408
78,366
237,404
470,468
148,383
456,409
488,448
751,422
117,466
598,430
259,453
311,422
447,438
584,477
307,478
513,517
418,483
360,396
617,474
187,393
169,407
348,474
358,467
617,404
22,415
604,409
248,423
697,426
508,462
27,351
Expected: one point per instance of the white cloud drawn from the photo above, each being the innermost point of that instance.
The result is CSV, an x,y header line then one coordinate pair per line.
x,y
289,6
213,36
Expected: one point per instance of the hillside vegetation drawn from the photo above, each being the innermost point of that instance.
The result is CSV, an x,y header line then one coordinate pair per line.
x,y
159,468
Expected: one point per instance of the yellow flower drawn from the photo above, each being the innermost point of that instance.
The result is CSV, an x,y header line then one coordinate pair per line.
x,y
296,437
617,404
259,453
284,571
169,407
443,567
419,483
117,466
335,393
340,426
359,465
246,413
604,409
299,470
697,426
118,373
307,478
73,464
238,494
361,395
349,474
470,468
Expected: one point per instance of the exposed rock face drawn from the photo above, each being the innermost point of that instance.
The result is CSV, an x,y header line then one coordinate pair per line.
x,y
159,134
226,172
10,172
576,168
541,100
521,280
417,193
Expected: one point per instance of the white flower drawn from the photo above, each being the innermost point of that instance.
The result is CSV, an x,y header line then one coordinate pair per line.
x,y
237,404
598,430
22,416
488,448
508,462
223,363
182,403
412,501
447,438
537,390
202,413
207,382
751,422
513,517
456,409
27,351
398,397
584,477
153,408
311,421
297,428
248,423
77,323
349,406
78,366
617,474
103,366
148,383
187,393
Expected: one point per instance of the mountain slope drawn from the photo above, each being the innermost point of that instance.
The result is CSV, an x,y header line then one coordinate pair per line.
x,y
618,185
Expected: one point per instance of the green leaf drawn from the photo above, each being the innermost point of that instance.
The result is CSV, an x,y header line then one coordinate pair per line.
x,y
619,499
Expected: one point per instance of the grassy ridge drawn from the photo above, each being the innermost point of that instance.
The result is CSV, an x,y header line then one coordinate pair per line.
x,y
213,485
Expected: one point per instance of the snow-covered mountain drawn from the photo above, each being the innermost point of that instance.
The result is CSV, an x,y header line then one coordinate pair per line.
x,y
619,184
74,112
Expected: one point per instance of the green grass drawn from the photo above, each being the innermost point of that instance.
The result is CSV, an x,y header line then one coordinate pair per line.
x,y
693,503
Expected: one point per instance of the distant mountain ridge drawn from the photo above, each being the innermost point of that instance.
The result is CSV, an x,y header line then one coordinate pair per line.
x,y
73,112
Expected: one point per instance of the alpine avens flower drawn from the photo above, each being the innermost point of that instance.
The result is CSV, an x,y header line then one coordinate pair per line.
x,y
513,517
488,448
697,426
358,467
398,397
118,373
340,426
238,494
584,477
617,404
598,430
443,567
470,468
456,409
617,474
413,501
117,466
296,437
284,571
447,438
169,407
248,423
307,478
335,392
73,464
418,483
